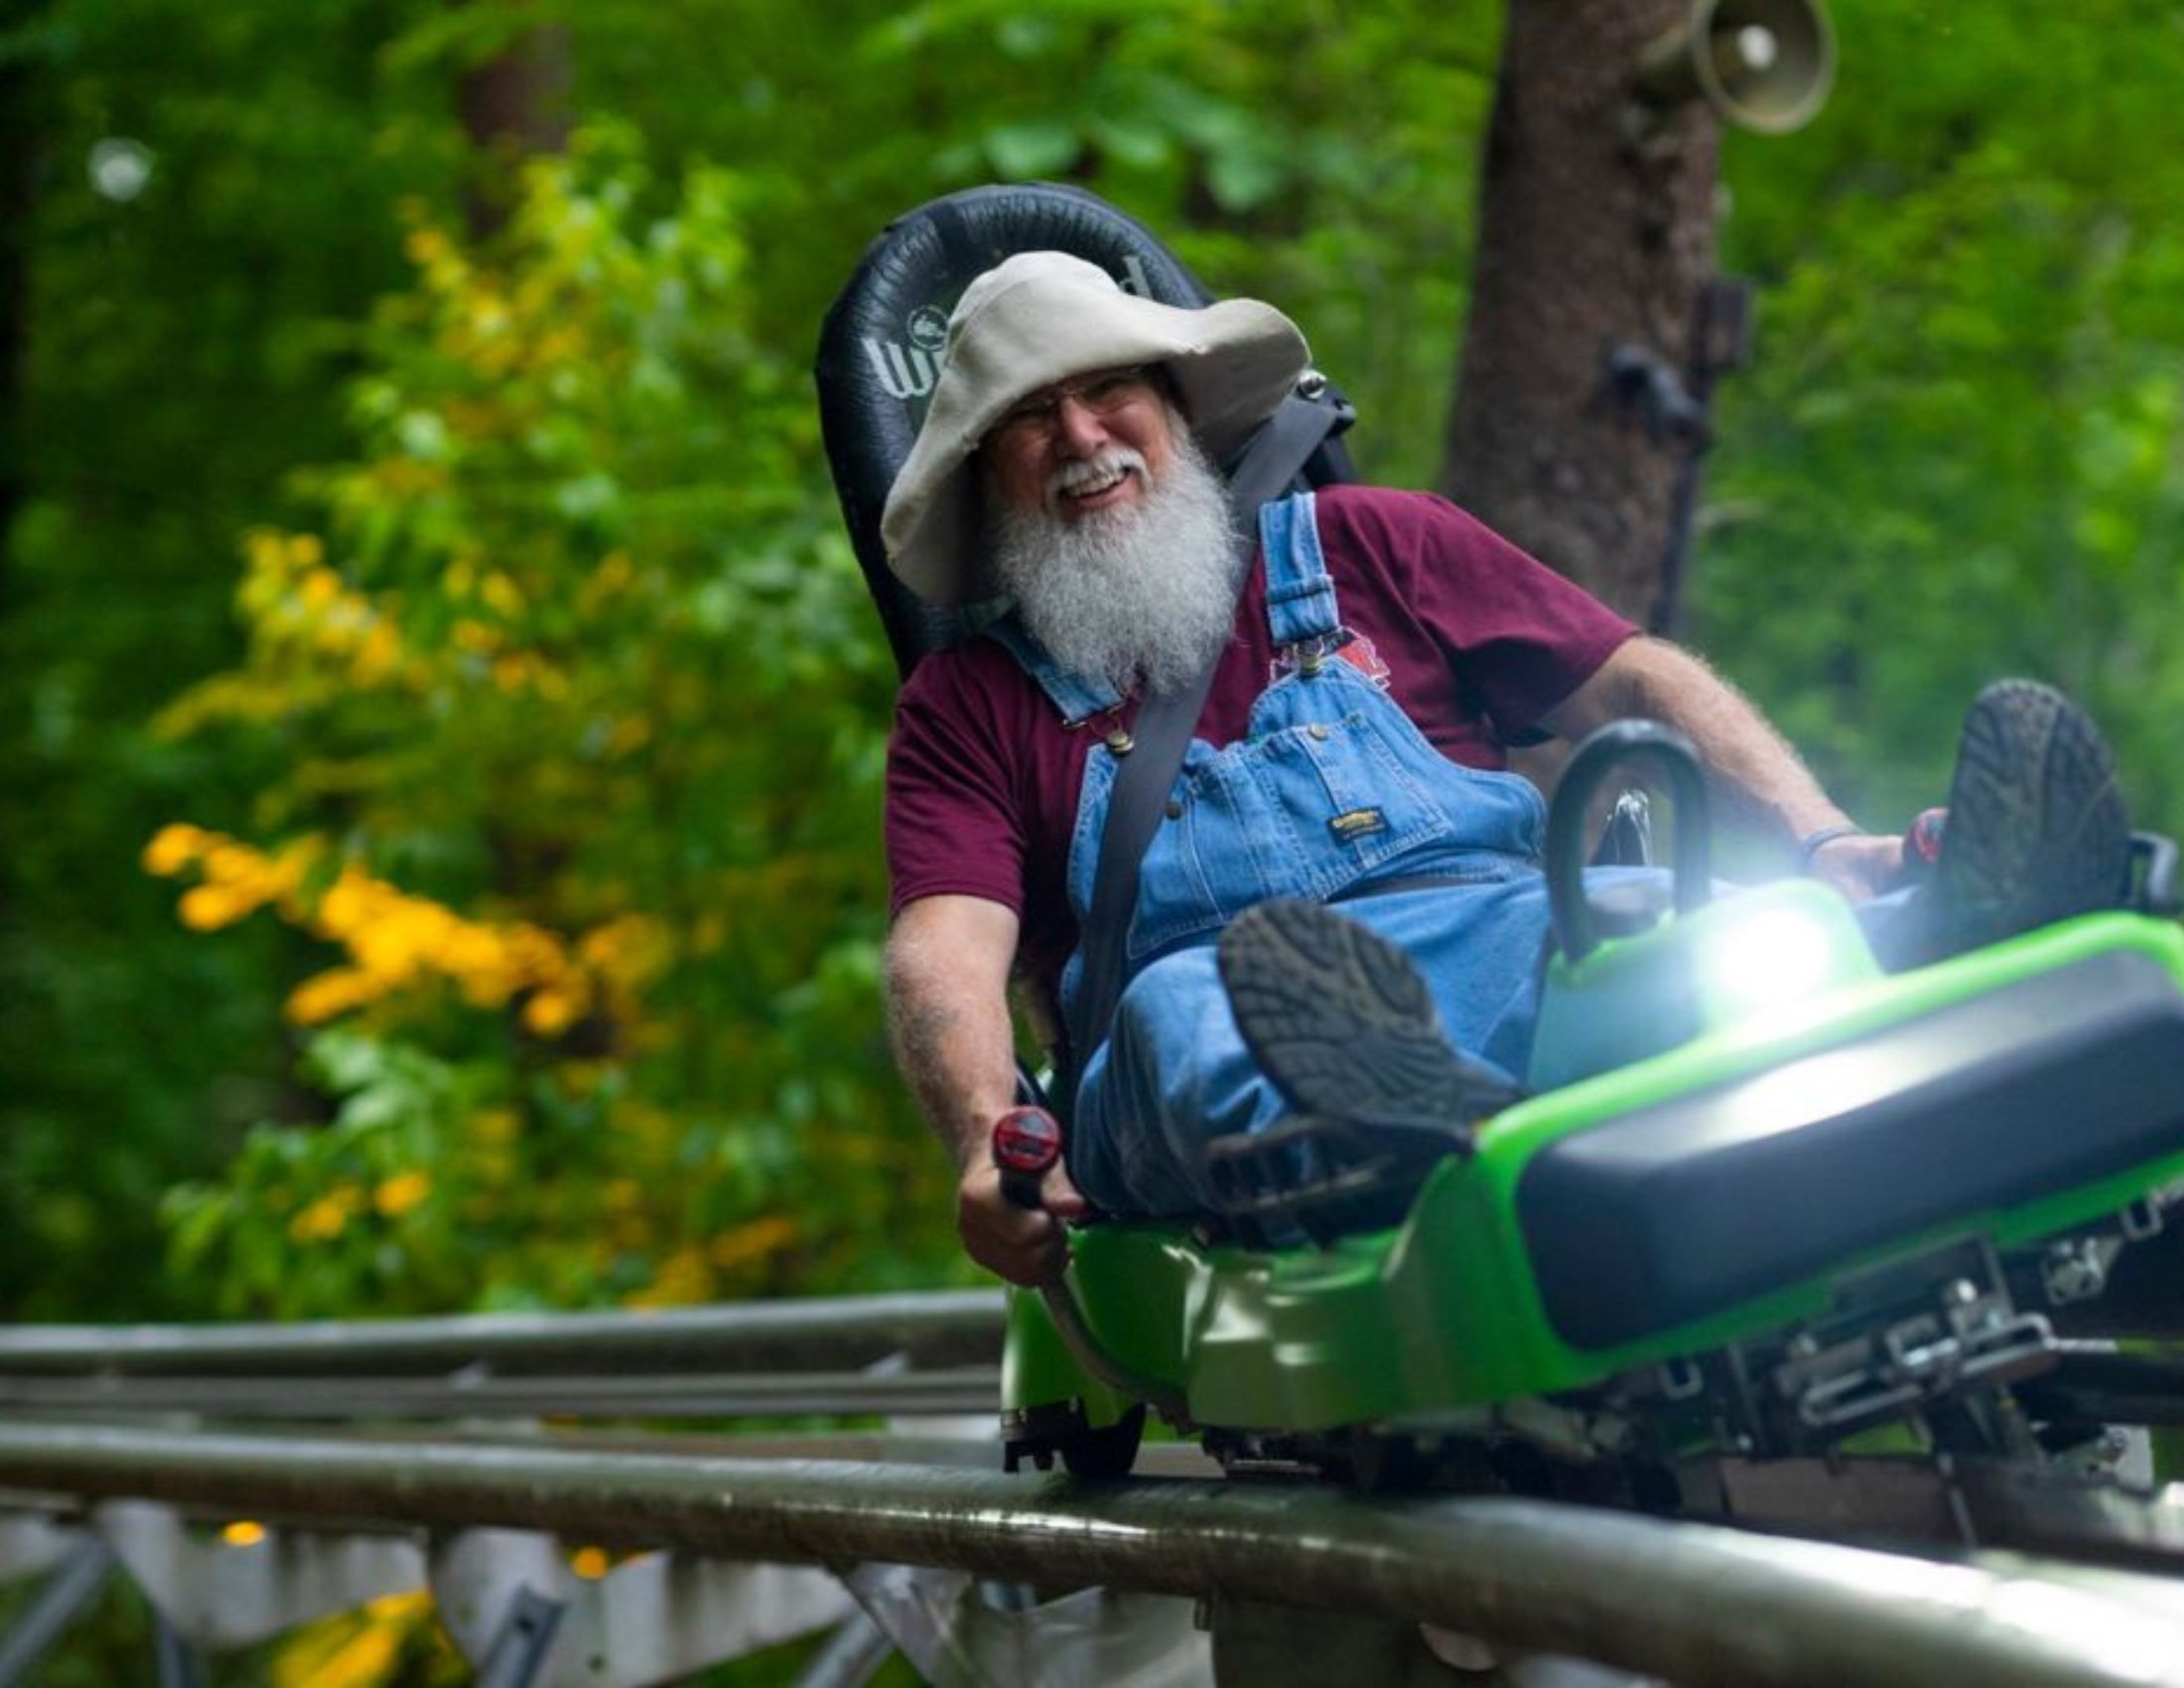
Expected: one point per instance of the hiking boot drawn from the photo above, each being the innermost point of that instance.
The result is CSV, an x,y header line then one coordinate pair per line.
x,y
2036,829
1315,1179
1341,1022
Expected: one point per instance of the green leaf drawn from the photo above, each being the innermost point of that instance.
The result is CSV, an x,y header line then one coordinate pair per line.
x,y
1021,150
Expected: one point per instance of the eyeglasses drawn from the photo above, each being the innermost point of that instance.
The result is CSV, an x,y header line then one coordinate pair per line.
x,y
1102,395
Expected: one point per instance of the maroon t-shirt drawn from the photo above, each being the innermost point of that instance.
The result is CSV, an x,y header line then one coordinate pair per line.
x,y
1478,641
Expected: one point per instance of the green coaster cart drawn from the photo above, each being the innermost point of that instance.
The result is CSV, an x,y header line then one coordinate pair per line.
x,y
1765,1205
1763,1201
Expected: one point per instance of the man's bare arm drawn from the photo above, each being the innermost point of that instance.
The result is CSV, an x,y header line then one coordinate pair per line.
x,y
1763,782
948,961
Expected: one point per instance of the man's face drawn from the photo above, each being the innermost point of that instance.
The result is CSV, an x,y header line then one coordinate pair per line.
x,y
1111,530
1089,446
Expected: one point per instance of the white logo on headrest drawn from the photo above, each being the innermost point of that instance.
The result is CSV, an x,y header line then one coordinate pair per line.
x,y
928,326
906,371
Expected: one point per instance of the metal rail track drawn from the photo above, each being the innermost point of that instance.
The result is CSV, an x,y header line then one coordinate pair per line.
x,y
842,1394
839,1334
1695,1603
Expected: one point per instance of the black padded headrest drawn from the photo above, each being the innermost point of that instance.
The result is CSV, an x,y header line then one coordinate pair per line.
x,y
880,349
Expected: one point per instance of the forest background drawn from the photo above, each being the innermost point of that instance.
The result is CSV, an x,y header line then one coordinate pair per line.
x,y
441,720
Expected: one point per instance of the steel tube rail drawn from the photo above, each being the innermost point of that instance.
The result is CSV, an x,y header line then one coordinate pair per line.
x,y
974,1389
1692,1603
834,1334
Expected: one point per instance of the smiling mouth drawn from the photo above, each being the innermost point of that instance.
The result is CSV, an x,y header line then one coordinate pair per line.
x,y
1089,486
1092,488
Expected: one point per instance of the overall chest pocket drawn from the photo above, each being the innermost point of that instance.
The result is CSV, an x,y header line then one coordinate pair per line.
x,y
1224,844
1347,798
1301,810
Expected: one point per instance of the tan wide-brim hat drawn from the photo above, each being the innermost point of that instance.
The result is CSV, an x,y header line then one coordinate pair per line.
x,y
1041,318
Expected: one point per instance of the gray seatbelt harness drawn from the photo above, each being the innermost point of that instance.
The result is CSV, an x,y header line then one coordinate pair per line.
x,y
1161,733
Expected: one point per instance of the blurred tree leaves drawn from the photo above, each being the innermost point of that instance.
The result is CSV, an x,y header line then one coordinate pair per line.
x,y
578,690
525,643
463,638
504,580
1959,453
184,339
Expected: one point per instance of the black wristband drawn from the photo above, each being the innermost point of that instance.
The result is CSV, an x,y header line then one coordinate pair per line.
x,y
1813,843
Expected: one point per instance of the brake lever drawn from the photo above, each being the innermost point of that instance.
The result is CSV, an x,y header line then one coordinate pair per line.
x,y
1027,1144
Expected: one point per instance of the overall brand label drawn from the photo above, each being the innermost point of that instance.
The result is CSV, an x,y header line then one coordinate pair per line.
x,y
1353,647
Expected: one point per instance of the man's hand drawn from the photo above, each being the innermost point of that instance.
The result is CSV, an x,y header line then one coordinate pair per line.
x,y
1859,864
1021,1245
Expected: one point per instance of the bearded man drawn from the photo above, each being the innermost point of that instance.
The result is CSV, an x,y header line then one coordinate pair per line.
x,y
1374,658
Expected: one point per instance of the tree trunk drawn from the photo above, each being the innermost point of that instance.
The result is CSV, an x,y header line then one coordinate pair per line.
x,y
513,105
1595,241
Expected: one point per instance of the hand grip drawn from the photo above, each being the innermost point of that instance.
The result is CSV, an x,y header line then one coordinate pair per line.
x,y
1671,756
1027,1144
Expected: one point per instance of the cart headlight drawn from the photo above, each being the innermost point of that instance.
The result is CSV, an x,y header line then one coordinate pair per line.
x,y
1774,956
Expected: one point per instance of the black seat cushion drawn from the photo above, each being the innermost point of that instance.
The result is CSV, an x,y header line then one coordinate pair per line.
x,y
1687,1208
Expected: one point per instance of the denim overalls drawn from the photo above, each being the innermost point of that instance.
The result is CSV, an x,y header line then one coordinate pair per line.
x,y
1333,795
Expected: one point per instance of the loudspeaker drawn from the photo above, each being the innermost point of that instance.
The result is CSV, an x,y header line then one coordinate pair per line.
x,y
1762,65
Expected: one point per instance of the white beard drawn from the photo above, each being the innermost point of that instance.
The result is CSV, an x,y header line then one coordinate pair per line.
x,y
1143,593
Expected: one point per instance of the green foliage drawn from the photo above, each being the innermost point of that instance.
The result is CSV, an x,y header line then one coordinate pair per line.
x,y
472,626
545,745
1304,152
532,652
1959,453
579,690
181,346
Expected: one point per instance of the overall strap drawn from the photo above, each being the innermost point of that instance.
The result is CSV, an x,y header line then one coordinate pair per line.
x,y
1300,603
1077,698
1275,458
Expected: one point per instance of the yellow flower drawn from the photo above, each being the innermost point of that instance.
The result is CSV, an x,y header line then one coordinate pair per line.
x,y
629,951
362,1662
173,848
348,902
684,1279
612,576
501,594
320,589
551,1012
328,1218
207,907
399,1193
288,865
402,939
590,1563
752,1242
229,863
377,655
267,553
335,991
